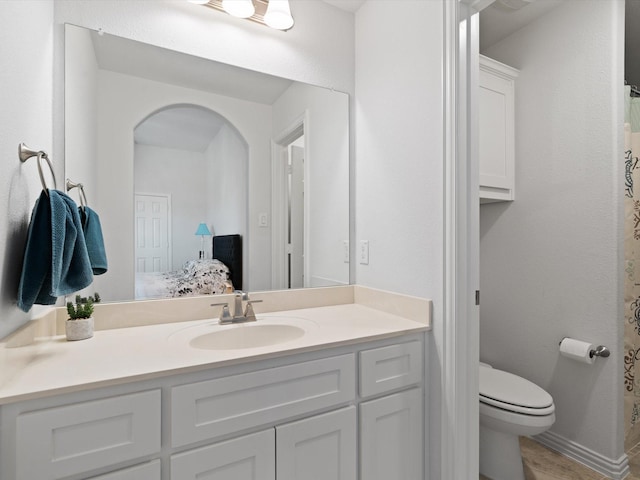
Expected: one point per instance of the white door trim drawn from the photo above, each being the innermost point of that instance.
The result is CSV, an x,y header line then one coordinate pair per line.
x,y
279,198
458,335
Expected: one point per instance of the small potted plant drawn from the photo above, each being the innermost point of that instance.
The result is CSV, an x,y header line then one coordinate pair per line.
x,y
79,325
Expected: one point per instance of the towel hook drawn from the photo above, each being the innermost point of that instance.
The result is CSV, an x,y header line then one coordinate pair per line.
x,y
82,195
25,153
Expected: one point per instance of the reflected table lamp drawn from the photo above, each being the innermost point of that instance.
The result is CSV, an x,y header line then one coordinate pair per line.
x,y
203,231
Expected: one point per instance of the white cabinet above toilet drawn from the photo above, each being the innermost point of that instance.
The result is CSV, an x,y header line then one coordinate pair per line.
x,y
496,105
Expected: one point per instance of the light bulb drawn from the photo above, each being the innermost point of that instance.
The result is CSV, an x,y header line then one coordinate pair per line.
x,y
278,15
239,8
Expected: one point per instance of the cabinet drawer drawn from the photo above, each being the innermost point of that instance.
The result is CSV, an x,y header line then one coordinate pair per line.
x,y
389,368
252,457
62,441
213,408
147,471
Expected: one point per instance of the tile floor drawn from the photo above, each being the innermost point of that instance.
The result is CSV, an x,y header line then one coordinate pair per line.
x,y
541,463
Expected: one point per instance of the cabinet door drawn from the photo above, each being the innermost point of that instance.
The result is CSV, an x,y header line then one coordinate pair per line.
x,y
318,448
391,438
496,130
251,457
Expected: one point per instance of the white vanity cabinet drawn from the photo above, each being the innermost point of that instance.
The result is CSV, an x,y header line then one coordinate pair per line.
x,y
496,107
320,415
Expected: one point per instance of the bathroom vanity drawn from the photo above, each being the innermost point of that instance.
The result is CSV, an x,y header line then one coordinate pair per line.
x,y
344,401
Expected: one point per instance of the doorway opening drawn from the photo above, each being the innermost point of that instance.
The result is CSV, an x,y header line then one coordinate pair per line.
x,y
289,204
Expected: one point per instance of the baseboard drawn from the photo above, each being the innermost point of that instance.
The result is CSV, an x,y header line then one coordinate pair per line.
x,y
614,469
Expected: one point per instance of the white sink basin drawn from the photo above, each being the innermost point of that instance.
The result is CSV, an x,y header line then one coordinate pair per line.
x,y
267,331
247,335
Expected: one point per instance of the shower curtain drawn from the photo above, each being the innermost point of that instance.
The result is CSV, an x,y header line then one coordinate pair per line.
x,y
632,270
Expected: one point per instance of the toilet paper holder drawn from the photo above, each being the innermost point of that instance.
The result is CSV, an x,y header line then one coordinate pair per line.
x,y
600,351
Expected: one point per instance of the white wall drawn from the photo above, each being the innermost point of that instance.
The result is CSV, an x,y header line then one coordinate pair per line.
x,y
26,53
551,261
398,117
81,77
181,175
399,162
326,187
227,183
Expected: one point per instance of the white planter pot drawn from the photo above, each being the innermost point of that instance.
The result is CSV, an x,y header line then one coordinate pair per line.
x,y
79,329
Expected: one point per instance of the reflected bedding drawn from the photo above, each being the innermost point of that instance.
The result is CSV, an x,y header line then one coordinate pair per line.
x,y
197,277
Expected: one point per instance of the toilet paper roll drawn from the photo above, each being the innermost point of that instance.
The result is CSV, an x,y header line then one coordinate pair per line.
x,y
576,350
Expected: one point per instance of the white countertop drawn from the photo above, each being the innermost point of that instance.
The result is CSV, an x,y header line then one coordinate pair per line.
x,y
125,355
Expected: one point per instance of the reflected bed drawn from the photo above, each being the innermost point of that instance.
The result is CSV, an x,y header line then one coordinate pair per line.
x,y
197,277
221,275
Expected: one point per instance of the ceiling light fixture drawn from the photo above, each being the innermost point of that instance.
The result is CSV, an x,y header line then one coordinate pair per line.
x,y
239,8
278,15
272,13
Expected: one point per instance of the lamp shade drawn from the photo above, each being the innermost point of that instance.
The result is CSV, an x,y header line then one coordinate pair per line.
x,y
239,8
203,229
278,15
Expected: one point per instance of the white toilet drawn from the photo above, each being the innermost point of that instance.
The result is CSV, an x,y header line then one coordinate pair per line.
x,y
510,406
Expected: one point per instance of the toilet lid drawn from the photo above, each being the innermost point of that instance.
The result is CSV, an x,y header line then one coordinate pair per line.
x,y
511,392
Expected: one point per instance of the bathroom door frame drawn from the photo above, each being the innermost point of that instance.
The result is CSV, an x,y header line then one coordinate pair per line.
x,y
458,334
279,222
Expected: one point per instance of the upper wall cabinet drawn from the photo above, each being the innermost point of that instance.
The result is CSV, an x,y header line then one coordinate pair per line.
x,y
497,136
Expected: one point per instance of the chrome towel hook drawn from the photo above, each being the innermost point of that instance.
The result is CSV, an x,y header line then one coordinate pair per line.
x,y
25,153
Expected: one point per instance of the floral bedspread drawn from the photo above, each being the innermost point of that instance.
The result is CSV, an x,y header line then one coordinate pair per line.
x,y
199,277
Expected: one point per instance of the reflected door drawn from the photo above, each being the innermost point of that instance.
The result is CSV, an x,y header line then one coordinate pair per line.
x,y
296,218
152,233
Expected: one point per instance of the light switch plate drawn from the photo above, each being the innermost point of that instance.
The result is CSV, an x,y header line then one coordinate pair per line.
x,y
364,252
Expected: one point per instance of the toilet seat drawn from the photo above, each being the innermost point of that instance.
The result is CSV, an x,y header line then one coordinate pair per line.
x,y
513,393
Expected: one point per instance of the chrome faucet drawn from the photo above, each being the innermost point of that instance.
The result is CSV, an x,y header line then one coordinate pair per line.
x,y
238,315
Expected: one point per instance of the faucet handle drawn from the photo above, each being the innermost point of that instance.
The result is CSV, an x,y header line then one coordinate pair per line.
x,y
249,314
225,315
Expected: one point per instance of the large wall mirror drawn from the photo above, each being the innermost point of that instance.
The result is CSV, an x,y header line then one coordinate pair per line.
x,y
201,171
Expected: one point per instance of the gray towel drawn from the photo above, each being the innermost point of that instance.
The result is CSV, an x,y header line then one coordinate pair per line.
x,y
55,261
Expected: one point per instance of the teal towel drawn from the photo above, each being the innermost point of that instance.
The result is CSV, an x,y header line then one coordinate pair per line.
x,y
94,240
55,261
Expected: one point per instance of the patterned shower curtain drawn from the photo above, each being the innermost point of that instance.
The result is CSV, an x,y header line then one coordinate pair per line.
x,y
632,270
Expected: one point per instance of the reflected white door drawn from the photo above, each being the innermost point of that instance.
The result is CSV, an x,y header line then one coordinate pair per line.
x,y
296,218
152,233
